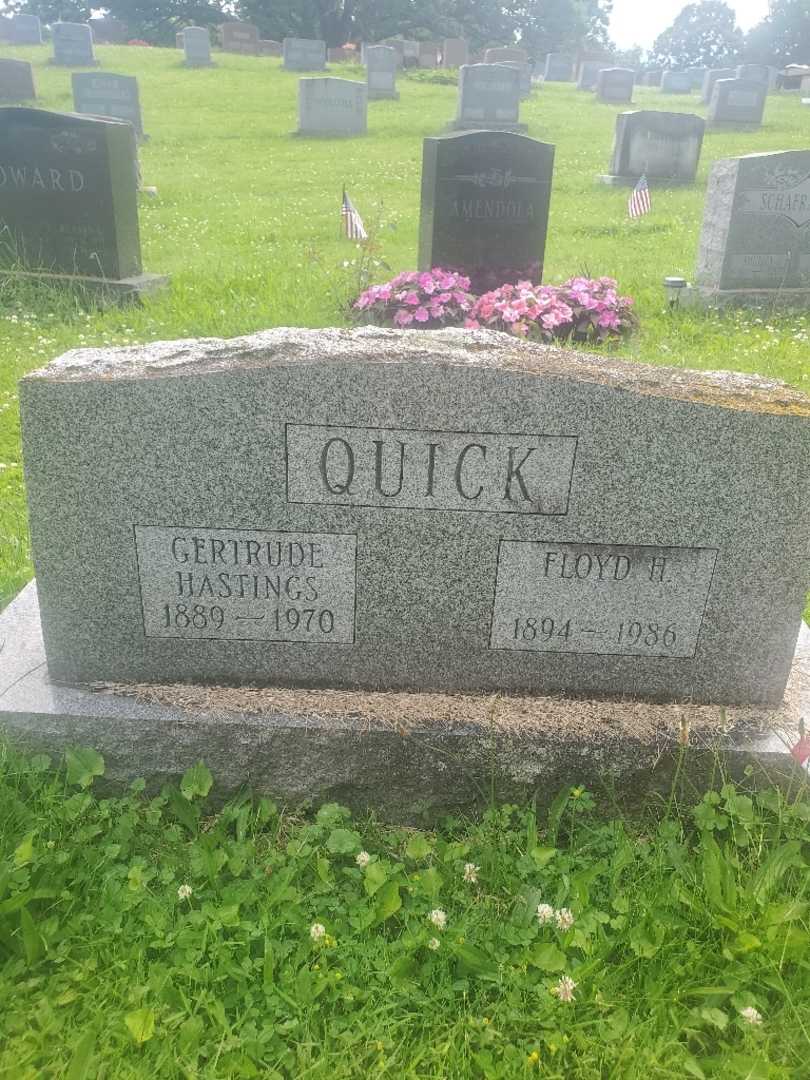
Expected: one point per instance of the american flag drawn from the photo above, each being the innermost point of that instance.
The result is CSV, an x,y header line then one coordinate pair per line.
x,y
352,222
640,203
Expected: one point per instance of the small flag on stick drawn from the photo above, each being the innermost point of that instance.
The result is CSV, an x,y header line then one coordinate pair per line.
x,y
352,222
640,203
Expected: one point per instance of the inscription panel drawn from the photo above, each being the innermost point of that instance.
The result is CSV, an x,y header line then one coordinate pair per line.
x,y
429,470
607,599
246,584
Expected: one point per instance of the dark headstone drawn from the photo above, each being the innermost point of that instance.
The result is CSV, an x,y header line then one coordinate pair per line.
x,y
240,37
525,72
73,45
178,39
304,54
737,101
455,52
615,85
484,206
754,72
589,73
16,80
109,31
115,96
25,30
711,77
429,54
559,67
664,146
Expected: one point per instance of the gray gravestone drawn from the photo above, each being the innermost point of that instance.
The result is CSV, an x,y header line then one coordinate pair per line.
x,y
69,199
240,37
268,47
559,68
197,47
73,45
697,75
711,77
398,45
451,511
455,52
737,101
663,146
589,74
429,54
410,53
488,97
484,206
653,78
304,54
381,72
754,72
178,39
109,31
116,96
504,52
525,76
16,80
615,85
25,30
329,106
676,82
755,241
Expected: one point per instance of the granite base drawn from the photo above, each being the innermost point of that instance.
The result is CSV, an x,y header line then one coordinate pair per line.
x,y
652,181
115,290
409,757
383,95
696,296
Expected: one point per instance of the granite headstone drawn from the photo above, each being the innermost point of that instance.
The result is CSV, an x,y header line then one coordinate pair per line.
x,y
711,77
429,54
73,45
737,101
654,77
754,72
484,206
676,82
697,75
505,52
615,85
268,47
25,30
589,74
488,97
455,52
197,47
525,72
16,80
240,37
101,94
381,72
559,68
107,31
303,54
664,146
330,106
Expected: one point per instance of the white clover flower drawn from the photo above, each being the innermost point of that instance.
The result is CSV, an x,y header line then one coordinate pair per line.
x,y
564,990
545,913
471,872
434,943
184,892
317,931
751,1015
564,918
438,918
363,859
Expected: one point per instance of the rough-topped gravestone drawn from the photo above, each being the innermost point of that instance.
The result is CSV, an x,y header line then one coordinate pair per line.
x,y
197,47
676,82
97,94
711,77
16,80
455,52
429,54
451,511
489,97
484,206
589,74
73,45
25,30
663,146
559,68
755,241
381,72
754,72
697,75
737,101
505,52
68,200
329,106
240,37
303,54
615,85
107,31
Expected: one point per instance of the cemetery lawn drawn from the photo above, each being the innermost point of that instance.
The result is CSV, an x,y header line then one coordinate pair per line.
x,y
166,937
246,222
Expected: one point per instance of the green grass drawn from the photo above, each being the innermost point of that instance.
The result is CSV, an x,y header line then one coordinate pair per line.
x,y
680,922
246,223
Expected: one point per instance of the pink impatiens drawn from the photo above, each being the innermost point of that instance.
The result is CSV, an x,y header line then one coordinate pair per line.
x,y
429,299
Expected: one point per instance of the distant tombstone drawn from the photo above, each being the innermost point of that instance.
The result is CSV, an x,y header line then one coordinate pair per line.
x,y
559,68
69,200
505,52
653,78
676,82
340,55
329,106
755,225
615,85
589,73
754,72
488,97
455,52
25,30
398,45
410,53
381,72
240,37
737,101
197,46
711,77
663,146
525,73
268,47
178,40
429,54
484,206
16,80
696,77
108,31
303,54
102,94
73,45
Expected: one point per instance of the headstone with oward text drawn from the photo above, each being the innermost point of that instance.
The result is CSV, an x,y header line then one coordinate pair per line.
x,y
102,94
330,106
16,80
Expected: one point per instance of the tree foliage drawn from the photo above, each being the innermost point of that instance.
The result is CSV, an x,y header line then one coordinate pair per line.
x,y
783,37
703,34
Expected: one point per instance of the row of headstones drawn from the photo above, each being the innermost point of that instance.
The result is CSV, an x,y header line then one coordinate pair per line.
x,y
27,30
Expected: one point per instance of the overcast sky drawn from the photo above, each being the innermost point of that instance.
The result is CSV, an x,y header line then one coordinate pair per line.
x,y
639,22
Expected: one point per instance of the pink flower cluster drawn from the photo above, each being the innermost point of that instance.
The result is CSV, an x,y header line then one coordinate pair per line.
x,y
585,309
429,299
